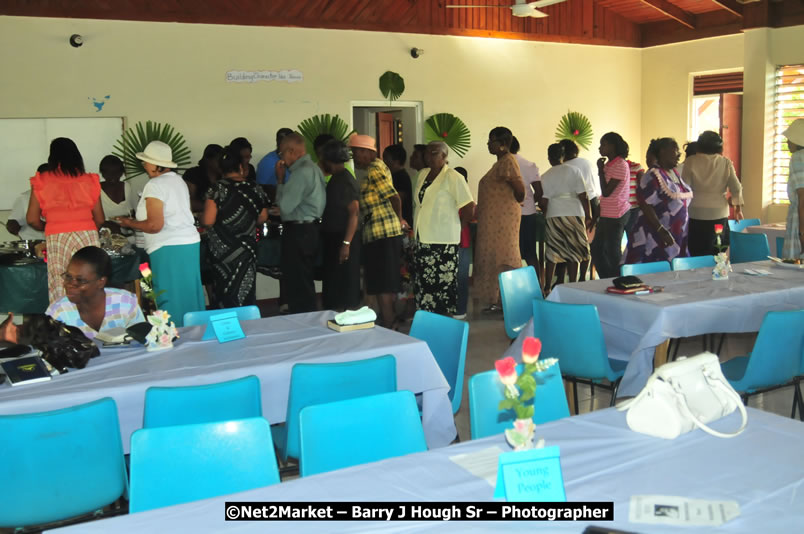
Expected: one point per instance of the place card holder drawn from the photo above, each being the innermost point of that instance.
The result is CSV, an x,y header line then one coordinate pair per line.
x,y
530,476
224,327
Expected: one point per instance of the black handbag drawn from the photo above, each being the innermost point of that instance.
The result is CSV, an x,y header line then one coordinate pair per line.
x,y
62,346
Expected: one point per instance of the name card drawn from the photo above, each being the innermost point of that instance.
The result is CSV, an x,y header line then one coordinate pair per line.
x,y
530,476
224,327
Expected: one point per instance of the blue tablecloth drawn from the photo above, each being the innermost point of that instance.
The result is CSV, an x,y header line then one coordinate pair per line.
x,y
269,351
601,460
691,304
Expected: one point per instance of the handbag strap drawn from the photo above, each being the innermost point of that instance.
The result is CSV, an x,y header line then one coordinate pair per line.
x,y
716,382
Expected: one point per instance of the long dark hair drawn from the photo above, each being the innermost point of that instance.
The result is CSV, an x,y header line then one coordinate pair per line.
x,y
620,146
65,158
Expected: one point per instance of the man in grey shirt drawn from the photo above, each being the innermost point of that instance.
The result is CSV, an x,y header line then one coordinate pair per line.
x,y
301,204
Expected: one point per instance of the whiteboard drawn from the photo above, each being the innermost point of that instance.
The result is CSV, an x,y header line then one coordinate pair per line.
x,y
26,144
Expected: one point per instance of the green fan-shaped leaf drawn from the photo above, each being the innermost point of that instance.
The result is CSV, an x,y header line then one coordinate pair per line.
x,y
449,129
323,124
392,85
575,126
136,138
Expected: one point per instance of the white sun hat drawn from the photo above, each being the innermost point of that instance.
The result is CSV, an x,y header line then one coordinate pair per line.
x,y
158,153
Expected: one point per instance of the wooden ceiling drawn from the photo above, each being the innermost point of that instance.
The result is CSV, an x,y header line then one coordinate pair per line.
x,y
633,23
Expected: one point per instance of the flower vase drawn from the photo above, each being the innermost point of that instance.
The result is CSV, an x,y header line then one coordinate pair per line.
x,y
722,267
521,436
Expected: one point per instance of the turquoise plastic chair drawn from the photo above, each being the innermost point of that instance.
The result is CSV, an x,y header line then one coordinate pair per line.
x,y
60,464
178,464
572,333
318,383
244,313
357,431
748,247
779,246
447,339
486,392
635,269
693,262
518,288
776,357
739,226
208,403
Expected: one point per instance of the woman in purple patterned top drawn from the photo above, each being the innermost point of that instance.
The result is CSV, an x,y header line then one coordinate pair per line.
x,y
660,232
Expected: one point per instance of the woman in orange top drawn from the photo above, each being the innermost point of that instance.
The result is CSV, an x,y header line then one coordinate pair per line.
x,y
69,200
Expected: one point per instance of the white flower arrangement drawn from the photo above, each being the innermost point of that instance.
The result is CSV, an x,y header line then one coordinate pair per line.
x,y
163,331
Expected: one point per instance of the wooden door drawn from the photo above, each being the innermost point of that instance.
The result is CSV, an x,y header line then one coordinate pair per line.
x,y
385,132
731,120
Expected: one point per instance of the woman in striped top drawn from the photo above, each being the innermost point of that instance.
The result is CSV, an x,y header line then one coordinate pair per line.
x,y
615,176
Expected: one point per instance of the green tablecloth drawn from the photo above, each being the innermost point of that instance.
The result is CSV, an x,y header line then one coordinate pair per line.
x,y
23,288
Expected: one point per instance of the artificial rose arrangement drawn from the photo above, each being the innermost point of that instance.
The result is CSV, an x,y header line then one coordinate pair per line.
x,y
519,389
722,265
147,286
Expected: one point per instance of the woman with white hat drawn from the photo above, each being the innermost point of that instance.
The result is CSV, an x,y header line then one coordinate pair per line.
x,y
171,239
794,234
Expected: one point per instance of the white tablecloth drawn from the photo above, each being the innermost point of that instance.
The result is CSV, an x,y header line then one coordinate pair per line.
x,y
772,230
601,460
269,351
691,304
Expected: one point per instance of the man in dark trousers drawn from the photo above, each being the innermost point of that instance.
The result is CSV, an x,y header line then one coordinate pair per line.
x,y
301,204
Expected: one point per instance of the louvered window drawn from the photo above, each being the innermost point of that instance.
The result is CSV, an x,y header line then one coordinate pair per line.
x,y
789,106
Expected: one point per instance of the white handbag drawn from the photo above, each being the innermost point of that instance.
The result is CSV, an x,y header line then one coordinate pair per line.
x,y
682,395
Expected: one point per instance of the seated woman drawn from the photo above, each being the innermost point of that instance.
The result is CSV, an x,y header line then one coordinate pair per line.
x,y
660,231
89,305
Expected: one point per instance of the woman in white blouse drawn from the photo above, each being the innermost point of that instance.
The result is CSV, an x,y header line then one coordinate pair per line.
x,y
171,238
441,201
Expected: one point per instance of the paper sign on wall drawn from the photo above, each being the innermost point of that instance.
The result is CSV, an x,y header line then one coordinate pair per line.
x,y
225,327
530,476
253,76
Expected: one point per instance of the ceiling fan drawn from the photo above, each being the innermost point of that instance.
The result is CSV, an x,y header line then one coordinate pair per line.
x,y
520,8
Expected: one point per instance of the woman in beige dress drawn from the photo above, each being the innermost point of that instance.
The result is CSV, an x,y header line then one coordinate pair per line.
x,y
498,215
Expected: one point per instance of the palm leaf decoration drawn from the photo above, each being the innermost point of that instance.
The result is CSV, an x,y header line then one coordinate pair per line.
x,y
576,127
323,124
135,140
449,129
392,85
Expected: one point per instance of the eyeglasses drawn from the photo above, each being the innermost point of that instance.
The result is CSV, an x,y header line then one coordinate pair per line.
x,y
70,281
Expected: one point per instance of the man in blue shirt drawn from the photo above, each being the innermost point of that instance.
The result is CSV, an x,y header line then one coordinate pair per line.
x,y
266,173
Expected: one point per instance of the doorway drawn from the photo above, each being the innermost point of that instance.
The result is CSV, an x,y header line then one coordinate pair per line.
x,y
389,123
721,113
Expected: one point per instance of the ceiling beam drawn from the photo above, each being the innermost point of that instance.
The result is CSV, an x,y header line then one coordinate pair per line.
x,y
731,6
673,11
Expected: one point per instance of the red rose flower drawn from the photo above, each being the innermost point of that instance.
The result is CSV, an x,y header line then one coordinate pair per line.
x,y
506,368
718,228
531,348
445,134
576,132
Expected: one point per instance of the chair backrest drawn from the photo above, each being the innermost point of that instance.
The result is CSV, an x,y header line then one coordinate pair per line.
x,y
60,464
356,431
739,226
748,247
572,333
318,383
486,391
693,262
186,405
518,288
244,313
629,269
177,464
778,351
447,339
779,246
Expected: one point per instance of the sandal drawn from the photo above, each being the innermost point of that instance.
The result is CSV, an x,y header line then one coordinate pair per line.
x,y
491,309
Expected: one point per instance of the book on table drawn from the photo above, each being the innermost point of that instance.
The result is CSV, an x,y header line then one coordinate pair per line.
x,y
26,370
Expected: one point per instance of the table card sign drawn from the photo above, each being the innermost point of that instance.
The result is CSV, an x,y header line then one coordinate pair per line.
x,y
225,327
530,476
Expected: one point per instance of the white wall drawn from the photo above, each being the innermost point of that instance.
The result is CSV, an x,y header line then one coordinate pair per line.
x,y
176,73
